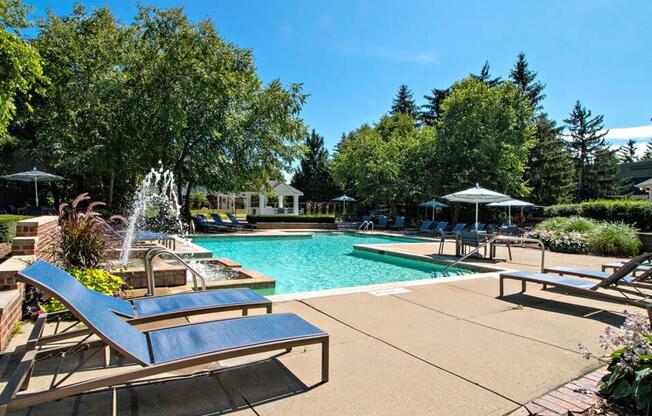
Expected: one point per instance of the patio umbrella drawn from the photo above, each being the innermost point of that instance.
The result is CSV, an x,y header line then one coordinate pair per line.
x,y
343,199
433,203
509,204
35,176
476,195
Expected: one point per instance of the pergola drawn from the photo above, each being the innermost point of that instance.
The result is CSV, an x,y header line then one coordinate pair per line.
x,y
256,202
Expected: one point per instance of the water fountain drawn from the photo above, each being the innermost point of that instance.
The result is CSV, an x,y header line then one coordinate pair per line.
x,y
155,208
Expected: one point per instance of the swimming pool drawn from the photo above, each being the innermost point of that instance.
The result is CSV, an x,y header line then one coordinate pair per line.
x,y
321,261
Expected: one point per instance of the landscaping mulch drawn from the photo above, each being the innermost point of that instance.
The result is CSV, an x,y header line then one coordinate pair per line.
x,y
605,408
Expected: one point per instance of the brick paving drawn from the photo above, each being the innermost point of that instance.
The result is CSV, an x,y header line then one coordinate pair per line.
x,y
575,397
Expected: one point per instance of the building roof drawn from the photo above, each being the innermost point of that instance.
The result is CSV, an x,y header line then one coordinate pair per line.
x,y
282,188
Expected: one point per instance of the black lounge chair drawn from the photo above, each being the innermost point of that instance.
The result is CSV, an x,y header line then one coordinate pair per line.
x,y
244,225
156,352
605,289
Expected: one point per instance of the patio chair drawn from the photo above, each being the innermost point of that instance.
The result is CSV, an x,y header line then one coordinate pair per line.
x,y
472,239
632,265
424,228
157,351
605,289
457,228
235,221
480,227
437,229
382,222
54,280
204,225
399,223
217,219
615,266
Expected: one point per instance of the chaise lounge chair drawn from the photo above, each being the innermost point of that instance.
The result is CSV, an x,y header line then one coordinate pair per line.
x,y
153,308
634,265
217,219
235,222
382,222
399,224
606,289
157,351
424,228
204,225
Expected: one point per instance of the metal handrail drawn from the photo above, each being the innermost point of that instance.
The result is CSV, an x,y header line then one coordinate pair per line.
x,y
155,252
502,237
365,226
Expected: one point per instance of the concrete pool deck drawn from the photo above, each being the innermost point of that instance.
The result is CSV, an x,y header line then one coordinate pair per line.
x,y
446,348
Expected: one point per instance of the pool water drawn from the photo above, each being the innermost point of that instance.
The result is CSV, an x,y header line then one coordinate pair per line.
x,y
323,261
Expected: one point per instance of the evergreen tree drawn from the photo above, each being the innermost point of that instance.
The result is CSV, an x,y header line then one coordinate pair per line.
x,y
604,175
586,142
431,110
550,171
313,177
648,151
525,78
404,103
627,153
485,77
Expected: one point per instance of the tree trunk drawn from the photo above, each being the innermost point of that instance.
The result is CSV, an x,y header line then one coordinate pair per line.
x,y
186,202
109,199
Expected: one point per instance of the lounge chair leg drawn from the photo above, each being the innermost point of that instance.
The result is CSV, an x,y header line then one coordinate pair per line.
x,y
245,311
107,356
509,250
501,292
324,360
269,308
523,286
649,314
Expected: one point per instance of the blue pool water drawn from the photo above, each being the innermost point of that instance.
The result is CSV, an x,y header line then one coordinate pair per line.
x,y
323,261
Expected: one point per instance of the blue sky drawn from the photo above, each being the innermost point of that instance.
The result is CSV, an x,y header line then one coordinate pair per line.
x,y
353,55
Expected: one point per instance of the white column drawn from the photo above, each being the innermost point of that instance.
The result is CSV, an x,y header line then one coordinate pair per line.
x,y
296,204
248,203
280,200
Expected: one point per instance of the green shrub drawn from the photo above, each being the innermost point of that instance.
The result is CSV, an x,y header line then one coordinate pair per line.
x,y
199,200
96,279
581,235
629,364
8,226
630,211
613,239
319,219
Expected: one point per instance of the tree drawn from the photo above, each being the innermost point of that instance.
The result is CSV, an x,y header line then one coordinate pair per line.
x,y
648,151
627,153
432,108
550,171
20,64
485,77
526,79
586,135
372,161
404,103
484,135
313,177
604,174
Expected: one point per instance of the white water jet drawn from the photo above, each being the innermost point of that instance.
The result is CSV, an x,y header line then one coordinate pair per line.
x,y
155,208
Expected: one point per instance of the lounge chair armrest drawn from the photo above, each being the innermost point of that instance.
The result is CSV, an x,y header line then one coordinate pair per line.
x,y
36,333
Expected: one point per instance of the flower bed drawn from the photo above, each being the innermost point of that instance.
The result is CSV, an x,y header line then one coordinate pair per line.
x,y
630,211
582,235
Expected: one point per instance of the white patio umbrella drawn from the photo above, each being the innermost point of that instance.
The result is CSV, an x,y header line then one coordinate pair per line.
x,y
35,176
343,199
509,204
476,195
433,203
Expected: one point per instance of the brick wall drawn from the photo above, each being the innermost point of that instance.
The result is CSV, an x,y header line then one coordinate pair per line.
x,y
32,235
10,312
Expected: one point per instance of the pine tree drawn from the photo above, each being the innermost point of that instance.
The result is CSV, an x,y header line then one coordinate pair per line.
x,y
431,110
525,78
313,177
550,171
604,175
404,103
648,151
627,153
586,142
485,77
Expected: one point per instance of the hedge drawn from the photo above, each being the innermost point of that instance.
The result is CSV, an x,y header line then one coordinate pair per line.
x,y
635,212
8,226
319,219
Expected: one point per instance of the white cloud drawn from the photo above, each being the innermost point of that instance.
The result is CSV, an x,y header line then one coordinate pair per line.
x,y
626,133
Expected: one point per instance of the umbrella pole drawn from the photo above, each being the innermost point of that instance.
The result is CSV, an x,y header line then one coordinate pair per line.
x,y
36,191
476,216
433,214
344,208
509,209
